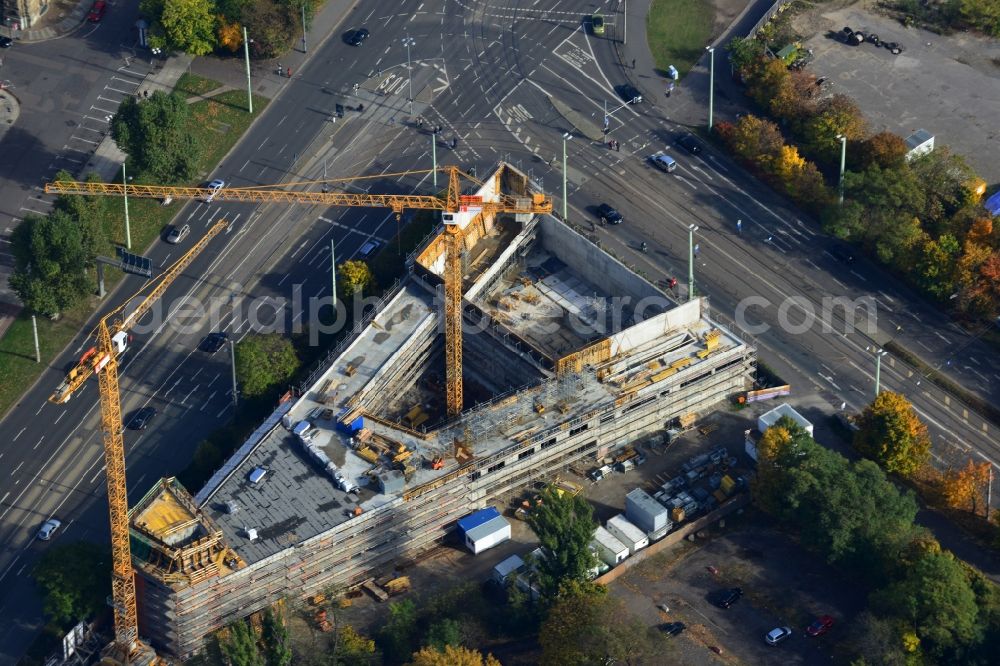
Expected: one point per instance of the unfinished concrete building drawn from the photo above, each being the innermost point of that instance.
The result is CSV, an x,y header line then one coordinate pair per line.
x,y
567,356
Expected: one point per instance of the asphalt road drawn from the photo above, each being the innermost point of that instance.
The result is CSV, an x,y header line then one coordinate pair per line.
x,y
485,75
67,89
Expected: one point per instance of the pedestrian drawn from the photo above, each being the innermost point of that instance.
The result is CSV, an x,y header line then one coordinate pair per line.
x,y
633,63
420,121
281,70
392,121
454,143
289,72
697,249
739,226
355,87
611,145
618,146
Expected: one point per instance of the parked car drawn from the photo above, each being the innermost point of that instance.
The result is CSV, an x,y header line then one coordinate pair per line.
x,y
777,635
97,11
140,420
5,42
730,597
630,93
663,162
820,626
673,628
689,143
48,528
177,234
358,37
215,186
214,342
609,215
597,24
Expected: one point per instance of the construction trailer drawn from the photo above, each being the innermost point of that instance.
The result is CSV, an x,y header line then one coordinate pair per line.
x,y
566,355
484,529
647,514
630,535
608,547
506,568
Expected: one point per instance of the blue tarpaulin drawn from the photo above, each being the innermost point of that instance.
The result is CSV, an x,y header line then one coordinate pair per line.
x,y
993,204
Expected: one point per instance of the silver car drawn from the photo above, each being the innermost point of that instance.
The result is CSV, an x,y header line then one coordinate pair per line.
x,y
177,234
48,529
777,635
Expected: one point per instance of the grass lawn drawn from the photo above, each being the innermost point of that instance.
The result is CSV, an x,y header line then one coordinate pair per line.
x,y
191,85
219,123
678,32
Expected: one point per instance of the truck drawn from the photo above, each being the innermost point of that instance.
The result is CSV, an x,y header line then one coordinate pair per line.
x,y
90,362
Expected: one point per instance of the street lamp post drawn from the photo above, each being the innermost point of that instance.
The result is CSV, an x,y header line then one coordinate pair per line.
x,y
711,84
128,230
304,27
232,365
691,229
879,353
566,137
408,42
246,57
843,163
434,157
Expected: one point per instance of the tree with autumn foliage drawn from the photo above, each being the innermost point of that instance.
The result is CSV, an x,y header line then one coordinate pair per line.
x,y
886,149
230,34
452,656
965,488
835,116
891,434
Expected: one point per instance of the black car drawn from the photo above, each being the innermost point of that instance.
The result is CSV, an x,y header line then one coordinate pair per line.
x,y
730,597
673,628
213,342
842,254
5,42
690,144
142,418
608,214
358,37
630,93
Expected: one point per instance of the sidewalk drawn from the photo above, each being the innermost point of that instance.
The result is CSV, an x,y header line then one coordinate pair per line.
x,y
688,105
53,25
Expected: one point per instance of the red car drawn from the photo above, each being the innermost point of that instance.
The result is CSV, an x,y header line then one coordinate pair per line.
x,y
97,11
820,626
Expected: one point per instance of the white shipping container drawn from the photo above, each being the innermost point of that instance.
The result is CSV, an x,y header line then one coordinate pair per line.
x,y
609,549
487,535
627,533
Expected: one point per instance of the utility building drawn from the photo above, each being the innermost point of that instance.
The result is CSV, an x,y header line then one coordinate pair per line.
x,y
565,354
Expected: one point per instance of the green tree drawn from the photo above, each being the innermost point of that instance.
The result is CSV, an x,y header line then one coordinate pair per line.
x,y
189,25
585,626
399,632
835,116
239,645
263,363
891,434
935,265
154,133
565,527
443,633
271,27
744,53
349,648
353,277
277,651
75,581
50,263
935,598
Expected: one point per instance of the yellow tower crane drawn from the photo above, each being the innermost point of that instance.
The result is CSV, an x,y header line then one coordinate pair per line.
x,y
126,648
450,202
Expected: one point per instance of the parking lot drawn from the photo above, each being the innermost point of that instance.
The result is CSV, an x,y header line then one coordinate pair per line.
x,y
946,85
784,586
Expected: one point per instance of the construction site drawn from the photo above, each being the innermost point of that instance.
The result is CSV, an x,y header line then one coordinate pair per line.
x,y
562,354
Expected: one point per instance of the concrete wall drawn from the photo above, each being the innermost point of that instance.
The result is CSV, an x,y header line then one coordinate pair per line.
x,y
592,263
495,365
401,370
